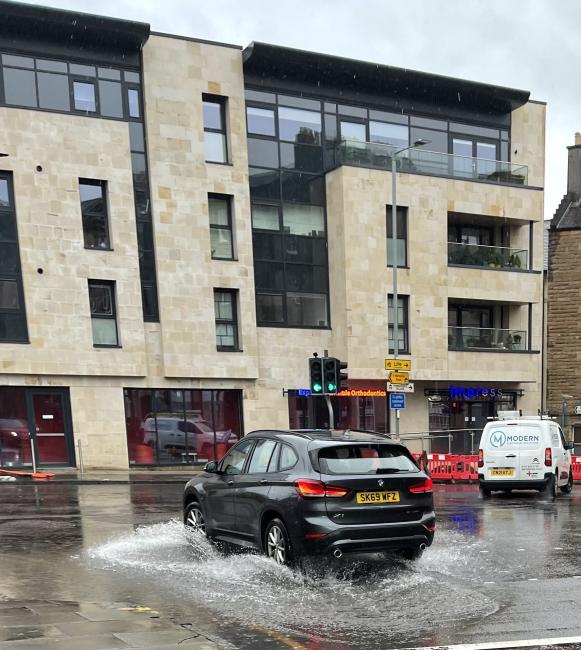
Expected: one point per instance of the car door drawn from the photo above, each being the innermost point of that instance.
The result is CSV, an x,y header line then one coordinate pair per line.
x,y
562,455
220,489
253,487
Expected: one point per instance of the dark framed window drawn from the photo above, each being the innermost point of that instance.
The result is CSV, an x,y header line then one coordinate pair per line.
x,y
103,313
403,339
13,326
215,137
225,309
221,236
84,96
94,211
260,121
397,247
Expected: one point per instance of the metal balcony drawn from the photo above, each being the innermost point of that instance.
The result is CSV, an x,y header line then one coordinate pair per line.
x,y
493,257
486,338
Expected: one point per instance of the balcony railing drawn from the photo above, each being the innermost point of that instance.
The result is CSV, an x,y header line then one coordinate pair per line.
x,y
431,163
493,257
486,338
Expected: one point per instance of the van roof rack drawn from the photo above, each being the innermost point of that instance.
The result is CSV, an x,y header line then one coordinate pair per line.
x,y
518,415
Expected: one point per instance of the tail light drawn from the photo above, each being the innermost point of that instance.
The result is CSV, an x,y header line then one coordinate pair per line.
x,y
422,488
481,458
548,457
307,488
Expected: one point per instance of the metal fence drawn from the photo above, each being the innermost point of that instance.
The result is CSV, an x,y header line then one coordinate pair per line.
x,y
451,441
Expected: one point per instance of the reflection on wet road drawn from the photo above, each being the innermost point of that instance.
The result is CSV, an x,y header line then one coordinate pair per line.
x,y
494,566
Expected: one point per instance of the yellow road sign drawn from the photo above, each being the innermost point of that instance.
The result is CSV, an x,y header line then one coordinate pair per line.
x,y
398,364
399,377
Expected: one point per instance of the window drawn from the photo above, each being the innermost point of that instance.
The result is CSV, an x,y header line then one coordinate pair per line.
x,y
226,319
233,462
265,217
402,318
288,458
13,326
353,131
94,211
401,242
305,220
261,458
215,129
392,134
307,310
103,313
133,102
298,125
220,209
260,120
84,96
269,308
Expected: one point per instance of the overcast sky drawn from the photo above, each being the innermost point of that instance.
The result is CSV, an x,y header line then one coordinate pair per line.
x,y
529,44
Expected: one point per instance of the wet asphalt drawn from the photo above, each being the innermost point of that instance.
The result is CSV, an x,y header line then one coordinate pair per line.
x,y
508,568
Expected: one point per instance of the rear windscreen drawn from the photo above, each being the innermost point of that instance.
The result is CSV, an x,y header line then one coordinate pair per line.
x,y
513,437
365,459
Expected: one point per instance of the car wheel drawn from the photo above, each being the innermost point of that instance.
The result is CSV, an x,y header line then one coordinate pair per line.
x,y
194,518
567,489
414,553
485,492
551,490
277,544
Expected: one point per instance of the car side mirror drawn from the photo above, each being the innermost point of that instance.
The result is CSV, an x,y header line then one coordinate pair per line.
x,y
211,467
570,446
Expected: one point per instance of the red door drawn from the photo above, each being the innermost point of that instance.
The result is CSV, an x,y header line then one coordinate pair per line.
x,y
51,427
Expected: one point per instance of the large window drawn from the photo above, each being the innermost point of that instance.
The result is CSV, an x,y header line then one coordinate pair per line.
x,y
220,210
103,313
215,139
225,310
403,344
399,245
175,426
94,211
13,328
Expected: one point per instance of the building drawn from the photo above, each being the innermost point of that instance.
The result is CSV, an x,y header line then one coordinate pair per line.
x,y
183,223
563,309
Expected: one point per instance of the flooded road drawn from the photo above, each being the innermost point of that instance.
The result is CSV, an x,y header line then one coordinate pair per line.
x,y
489,575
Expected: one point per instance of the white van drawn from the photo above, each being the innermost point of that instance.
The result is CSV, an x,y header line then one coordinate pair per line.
x,y
526,453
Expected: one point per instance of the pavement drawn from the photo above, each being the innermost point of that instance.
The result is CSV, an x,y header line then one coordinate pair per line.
x,y
177,475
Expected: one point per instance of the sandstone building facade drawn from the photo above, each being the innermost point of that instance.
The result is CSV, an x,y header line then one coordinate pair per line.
x,y
183,223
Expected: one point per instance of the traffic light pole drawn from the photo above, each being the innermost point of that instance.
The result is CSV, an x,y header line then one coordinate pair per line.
x,y
331,414
394,266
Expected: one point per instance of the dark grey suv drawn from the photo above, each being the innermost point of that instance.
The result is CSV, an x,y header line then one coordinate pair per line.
x,y
296,493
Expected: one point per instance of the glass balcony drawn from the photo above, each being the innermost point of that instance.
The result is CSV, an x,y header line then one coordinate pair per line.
x,y
486,338
492,257
431,163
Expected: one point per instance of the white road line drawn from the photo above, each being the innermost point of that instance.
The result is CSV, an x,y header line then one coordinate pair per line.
x,y
499,645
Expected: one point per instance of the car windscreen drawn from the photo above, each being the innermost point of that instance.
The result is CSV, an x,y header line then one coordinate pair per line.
x,y
365,459
514,437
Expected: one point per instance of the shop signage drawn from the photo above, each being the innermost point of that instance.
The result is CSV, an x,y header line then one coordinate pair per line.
x,y
349,392
398,364
399,377
475,392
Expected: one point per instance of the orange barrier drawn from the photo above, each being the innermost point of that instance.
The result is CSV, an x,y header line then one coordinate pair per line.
x,y
440,467
577,468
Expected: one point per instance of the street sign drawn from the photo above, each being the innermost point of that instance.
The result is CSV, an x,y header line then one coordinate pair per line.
x,y
399,377
398,364
399,388
397,400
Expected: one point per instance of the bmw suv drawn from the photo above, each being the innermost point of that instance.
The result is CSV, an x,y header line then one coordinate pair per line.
x,y
295,493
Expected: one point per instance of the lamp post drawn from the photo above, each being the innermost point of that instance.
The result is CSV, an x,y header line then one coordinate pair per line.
x,y
417,143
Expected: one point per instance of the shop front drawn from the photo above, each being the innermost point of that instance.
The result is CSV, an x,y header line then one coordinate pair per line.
x,y
176,427
35,421
364,408
458,415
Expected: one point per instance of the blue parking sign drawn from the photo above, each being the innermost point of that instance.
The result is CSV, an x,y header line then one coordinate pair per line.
x,y
397,400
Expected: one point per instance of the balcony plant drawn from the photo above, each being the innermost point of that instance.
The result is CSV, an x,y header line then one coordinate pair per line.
x,y
515,261
494,261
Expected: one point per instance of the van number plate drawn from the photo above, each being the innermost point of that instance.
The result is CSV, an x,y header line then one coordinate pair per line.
x,y
502,472
364,498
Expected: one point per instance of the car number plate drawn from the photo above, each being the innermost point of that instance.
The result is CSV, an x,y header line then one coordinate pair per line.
x,y
365,498
502,472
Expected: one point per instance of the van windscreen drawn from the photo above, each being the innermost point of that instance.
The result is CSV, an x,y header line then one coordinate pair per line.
x,y
521,436
365,459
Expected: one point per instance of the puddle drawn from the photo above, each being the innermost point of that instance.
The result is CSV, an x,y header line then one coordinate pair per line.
x,y
354,598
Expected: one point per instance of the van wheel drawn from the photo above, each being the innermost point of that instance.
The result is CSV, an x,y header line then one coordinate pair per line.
x,y
485,492
550,490
411,554
567,489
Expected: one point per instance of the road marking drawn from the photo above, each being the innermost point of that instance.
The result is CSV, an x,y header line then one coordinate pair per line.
x,y
499,645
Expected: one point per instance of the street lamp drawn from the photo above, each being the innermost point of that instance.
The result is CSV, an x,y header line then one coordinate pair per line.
x,y
418,143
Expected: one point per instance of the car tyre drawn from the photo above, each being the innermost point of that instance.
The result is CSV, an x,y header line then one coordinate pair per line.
x,y
277,545
194,518
568,488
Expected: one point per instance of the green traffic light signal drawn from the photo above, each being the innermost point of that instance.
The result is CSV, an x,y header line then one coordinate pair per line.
x,y
331,388
317,388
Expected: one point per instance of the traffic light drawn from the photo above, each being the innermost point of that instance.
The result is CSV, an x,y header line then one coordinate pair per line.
x,y
316,375
342,377
330,366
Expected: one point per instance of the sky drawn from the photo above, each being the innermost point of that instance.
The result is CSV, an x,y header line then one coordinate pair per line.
x,y
527,44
